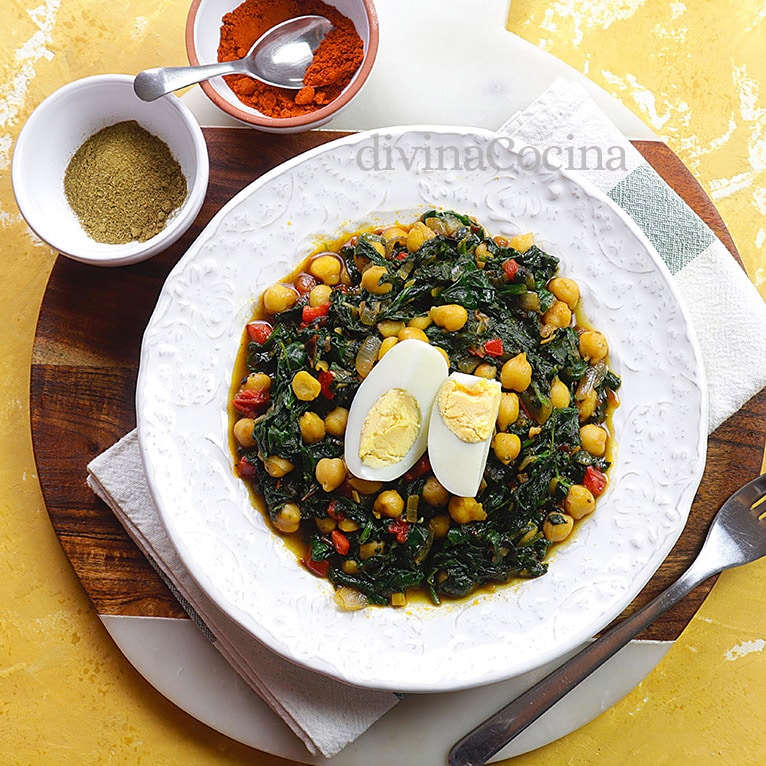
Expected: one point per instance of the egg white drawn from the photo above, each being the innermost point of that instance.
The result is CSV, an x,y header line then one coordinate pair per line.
x,y
458,465
419,369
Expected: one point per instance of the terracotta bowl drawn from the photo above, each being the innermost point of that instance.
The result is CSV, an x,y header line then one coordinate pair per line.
x,y
203,26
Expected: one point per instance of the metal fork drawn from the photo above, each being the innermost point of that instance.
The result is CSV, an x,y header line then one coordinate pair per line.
x,y
736,536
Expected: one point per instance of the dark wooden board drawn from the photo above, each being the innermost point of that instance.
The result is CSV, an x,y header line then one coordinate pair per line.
x,y
85,363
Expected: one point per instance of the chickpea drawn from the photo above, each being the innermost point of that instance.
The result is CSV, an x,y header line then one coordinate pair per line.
x,y
522,242
277,467
420,322
516,374
320,295
368,550
257,381
450,317
364,486
413,333
587,405
559,394
418,235
305,386
243,432
579,501
566,290
288,518
335,422
593,346
330,472
279,297
434,493
558,315
386,346
509,410
348,525
557,526
325,525
389,503
394,234
593,439
486,370
349,566
326,268
506,447
439,525
371,280
465,509
312,427
375,243
390,328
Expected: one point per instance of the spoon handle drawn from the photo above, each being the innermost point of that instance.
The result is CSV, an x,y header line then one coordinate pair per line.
x,y
150,84
479,745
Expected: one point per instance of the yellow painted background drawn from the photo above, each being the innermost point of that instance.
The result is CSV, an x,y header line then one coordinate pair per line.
x,y
694,71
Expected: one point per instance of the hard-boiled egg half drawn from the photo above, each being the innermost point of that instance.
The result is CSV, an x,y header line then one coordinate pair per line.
x,y
460,431
387,429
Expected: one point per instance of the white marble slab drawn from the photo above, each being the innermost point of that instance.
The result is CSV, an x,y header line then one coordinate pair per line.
x,y
449,62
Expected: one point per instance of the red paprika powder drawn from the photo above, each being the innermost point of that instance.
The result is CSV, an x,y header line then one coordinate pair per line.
x,y
336,59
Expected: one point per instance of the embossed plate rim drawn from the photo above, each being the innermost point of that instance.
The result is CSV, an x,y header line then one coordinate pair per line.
x,y
184,378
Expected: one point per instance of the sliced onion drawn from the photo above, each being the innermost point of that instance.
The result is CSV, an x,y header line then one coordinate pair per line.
x,y
367,355
368,314
529,301
350,600
593,377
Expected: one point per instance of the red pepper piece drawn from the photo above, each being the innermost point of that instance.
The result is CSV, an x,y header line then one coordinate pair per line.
x,y
340,542
310,313
400,529
494,347
333,512
594,480
245,467
421,468
318,568
259,331
250,402
510,267
325,378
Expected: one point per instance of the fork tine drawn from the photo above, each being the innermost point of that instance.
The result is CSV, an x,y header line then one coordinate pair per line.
x,y
753,492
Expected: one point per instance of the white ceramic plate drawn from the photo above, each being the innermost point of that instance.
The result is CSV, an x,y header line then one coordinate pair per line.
x,y
377,177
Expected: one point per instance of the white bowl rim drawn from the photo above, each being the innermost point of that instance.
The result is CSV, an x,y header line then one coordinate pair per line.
x,y
130,252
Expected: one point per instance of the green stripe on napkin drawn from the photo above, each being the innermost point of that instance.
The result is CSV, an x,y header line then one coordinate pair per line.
x,y
675,231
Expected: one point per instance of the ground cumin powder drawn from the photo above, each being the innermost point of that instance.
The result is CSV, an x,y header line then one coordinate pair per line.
x,y
123,183
339,55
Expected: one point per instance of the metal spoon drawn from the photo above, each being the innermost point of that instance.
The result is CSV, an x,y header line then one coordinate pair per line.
x,y
278,57
737,536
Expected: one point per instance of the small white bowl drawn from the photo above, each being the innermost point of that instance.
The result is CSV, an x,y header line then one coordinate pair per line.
x,y
61,124
203,32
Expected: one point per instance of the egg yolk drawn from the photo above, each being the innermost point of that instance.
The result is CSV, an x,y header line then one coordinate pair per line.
x,y
390,428
469,411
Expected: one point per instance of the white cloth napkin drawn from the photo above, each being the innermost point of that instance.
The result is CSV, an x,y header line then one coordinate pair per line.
x,y
324,713
727,311
730,320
